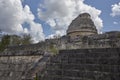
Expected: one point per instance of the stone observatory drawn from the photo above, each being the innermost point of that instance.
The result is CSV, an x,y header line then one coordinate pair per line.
x,y
81,26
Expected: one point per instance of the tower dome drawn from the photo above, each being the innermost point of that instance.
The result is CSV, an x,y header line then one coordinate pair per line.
x,y
81,26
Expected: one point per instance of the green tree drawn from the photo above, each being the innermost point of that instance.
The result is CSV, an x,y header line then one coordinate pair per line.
x,y
21,40
4,42
15,40
26,39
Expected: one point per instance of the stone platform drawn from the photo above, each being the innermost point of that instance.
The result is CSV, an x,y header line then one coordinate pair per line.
x,y
84,64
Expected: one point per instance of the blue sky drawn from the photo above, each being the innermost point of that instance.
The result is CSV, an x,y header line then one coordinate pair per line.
x,y
34,4
103,5
47,18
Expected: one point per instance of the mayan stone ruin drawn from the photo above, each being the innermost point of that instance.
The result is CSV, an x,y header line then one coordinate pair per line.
x,y
81,26
81,54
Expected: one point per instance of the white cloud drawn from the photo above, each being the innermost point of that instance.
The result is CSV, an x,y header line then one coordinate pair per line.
x,y
115,10
51,22
13,15
59,14
36,30
115,22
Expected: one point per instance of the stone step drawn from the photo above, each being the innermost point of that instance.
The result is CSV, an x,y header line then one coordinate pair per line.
x,y
88,67
97,50
84,64
83,74
89,55
109,61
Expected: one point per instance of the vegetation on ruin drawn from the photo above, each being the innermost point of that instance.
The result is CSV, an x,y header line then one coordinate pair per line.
x,y
53,49
14,40
36,78
5,41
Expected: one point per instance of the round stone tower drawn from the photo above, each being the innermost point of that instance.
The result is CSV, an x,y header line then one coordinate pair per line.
x,y
81,26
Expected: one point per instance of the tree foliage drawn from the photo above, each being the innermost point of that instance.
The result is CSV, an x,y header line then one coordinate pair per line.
x,y
26,39
5,41
14,40
53,49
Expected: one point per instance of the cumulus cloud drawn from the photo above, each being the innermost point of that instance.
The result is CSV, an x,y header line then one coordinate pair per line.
x,y
59,14
13,15
35,30
115,10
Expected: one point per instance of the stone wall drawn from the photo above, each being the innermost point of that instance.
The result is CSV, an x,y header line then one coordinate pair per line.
x,y
21,65
78,34
84,64
105,40
79,64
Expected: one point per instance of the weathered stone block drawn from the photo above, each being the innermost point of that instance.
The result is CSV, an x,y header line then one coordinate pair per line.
x,y
85,64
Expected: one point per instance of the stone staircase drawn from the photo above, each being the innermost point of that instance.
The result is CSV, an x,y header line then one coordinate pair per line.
x,y
84,64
